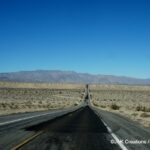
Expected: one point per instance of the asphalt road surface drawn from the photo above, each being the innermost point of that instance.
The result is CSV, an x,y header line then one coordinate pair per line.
x,y
79,128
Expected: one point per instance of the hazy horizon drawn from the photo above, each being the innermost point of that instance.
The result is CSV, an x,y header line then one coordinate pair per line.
x,y
75,72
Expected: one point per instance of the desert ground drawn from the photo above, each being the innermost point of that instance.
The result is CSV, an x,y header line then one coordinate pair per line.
x,y
130,101
29,97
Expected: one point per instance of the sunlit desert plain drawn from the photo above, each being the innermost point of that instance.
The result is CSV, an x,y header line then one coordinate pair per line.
x,y
29,97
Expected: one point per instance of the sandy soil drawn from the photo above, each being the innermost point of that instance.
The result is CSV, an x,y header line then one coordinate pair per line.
x,y
21,97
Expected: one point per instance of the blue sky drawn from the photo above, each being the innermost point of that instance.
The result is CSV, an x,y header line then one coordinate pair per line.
x,y
94,36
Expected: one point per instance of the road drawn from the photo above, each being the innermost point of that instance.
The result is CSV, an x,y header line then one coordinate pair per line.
x,y
79,128
76,129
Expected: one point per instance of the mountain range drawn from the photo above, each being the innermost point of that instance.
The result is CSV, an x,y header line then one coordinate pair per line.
x,y
57,76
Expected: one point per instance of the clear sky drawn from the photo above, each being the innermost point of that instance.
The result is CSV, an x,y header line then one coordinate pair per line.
x,y
94,36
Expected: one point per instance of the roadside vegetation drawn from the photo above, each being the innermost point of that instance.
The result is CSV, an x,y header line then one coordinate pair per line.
x,y
130,101
28,97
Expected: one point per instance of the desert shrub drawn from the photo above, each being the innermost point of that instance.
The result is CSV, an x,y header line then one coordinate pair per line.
x,y
3,105
102,106
144,115
114,106
95,103
138,108
142,108
75,104
60,92
13,106
134,114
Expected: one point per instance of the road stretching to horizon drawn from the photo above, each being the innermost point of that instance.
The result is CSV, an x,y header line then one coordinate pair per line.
x,y
82,127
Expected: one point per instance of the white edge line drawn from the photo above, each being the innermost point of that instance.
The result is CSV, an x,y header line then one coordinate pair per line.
x,y
122,146
21,119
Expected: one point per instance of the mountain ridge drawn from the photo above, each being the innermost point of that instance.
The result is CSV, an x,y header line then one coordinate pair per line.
x,y
59,76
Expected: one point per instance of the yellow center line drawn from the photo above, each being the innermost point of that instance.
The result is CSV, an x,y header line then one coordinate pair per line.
x,y
26,141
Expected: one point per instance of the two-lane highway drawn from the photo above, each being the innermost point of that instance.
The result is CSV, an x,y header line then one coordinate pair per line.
x,y
80,130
